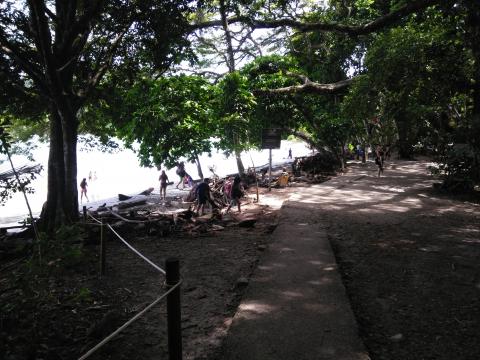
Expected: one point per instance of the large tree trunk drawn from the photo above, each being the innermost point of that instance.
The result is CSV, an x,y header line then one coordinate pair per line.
x,y
199,167
62,194
241,168
405,146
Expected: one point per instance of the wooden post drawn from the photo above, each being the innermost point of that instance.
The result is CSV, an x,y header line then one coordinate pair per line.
x,y
174,317
103,253
84,214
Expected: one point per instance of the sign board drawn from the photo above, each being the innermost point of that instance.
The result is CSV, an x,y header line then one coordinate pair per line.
x,y
271,138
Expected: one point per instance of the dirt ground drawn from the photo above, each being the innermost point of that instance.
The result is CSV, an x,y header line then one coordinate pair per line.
x,y
409,257
62,312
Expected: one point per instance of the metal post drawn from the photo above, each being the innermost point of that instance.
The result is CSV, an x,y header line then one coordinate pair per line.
x,y
103,253
174,317
270,170
84,214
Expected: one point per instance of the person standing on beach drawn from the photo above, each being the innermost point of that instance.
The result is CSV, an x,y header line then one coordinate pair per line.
x,y
236,193
163,184
83,190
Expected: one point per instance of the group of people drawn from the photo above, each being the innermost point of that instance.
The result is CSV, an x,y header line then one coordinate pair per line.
x,y
233,189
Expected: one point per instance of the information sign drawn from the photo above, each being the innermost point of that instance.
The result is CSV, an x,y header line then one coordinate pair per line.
x,y
271,138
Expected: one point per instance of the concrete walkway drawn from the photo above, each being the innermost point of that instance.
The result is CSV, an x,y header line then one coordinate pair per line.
x,y
295,306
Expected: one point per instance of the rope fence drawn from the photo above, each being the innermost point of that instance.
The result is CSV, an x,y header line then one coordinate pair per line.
x,y
173,281
129,322
136,251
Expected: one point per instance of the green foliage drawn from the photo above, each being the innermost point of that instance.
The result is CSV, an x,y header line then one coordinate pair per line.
x,y
458,167
83,295
62,253
168,117
233,112
414,73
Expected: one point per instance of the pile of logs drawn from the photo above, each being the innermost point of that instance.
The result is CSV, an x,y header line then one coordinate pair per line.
x,y
320,163
136,214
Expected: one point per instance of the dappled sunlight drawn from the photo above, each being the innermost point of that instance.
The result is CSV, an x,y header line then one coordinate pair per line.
x,y
291,294
412,202
467,230
322,282
388,188
271,201
330,268
271,266
382,208
471,241
252,310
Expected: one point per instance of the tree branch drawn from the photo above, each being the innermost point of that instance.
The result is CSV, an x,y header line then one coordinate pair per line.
x,y
102,69
305,137
16,54
309,87
363,29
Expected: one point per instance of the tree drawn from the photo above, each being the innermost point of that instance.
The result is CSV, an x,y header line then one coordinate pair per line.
x,y
170,117
60,51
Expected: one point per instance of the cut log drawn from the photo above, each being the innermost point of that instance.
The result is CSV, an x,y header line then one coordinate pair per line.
x,y
122,197
132,203
147,192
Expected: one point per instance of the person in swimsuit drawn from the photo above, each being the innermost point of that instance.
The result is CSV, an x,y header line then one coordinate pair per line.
x,y
163,184
83,190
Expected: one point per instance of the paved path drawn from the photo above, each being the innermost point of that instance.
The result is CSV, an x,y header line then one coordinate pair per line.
x,y
295,306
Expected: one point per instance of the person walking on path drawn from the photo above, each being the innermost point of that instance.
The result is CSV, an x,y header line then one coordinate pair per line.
x,y
379,158
83,190
163,184
236,193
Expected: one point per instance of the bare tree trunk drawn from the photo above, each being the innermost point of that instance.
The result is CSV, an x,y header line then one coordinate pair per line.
x,y
70,132
342,158
241,168
405,148
199,167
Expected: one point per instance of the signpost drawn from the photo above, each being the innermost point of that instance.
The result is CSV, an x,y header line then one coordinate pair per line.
x,y
271,140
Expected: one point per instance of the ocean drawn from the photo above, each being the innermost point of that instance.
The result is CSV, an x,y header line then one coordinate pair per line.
x,y
120,173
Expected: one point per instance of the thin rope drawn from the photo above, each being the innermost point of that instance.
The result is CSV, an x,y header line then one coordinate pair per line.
x,y
116,332
98,221
137,252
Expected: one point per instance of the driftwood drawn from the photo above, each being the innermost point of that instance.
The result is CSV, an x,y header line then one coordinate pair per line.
x,y
132,203
35,169
123,197
147,192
